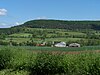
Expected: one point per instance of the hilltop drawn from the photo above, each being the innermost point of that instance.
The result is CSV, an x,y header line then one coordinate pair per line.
x,y
62,24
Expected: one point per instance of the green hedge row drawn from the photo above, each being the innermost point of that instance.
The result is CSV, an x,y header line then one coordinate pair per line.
x,y
49,63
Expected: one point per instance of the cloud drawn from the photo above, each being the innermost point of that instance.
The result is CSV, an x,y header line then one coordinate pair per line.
x,y
17,23
7,25
43,17
3,12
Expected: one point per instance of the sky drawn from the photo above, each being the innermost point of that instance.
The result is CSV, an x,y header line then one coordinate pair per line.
x,y
15,12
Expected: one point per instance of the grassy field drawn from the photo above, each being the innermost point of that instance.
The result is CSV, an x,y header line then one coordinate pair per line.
x,y
51,34
20,35
19,40
74,33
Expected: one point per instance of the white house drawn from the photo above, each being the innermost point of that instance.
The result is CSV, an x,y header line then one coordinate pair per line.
x,y
61,44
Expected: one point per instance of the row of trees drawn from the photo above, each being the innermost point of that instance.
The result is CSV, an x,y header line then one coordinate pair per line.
x,y
88,42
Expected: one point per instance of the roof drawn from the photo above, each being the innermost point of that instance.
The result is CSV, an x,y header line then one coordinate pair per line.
x,y
74,44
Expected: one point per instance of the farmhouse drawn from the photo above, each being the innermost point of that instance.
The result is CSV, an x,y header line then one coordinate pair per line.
x,y
74,45
61,44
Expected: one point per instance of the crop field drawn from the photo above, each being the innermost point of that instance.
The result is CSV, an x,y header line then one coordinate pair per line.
x,y
46,61
17,40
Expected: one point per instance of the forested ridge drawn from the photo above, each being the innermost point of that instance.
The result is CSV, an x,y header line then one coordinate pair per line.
x,y
61,24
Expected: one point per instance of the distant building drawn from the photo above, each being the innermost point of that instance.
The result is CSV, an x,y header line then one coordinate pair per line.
x,y
74,45
42,44
61,44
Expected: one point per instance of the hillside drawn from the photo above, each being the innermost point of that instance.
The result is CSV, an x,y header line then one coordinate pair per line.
x,y
87,33
61,24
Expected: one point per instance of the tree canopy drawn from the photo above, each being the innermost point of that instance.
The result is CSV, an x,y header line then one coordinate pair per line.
x,y
61,24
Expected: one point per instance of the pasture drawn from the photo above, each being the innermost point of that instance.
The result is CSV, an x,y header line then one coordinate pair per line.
x,y
20,35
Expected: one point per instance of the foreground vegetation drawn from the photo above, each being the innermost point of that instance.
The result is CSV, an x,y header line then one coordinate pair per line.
x,y
18,61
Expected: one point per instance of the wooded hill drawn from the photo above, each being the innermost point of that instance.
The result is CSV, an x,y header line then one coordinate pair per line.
x,y
61,24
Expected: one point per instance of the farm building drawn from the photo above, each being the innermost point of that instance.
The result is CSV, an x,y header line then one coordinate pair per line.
x,y
42,44
61,44
74,45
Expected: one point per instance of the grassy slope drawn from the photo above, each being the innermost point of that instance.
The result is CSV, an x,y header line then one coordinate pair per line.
x,y
60,31
20,35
